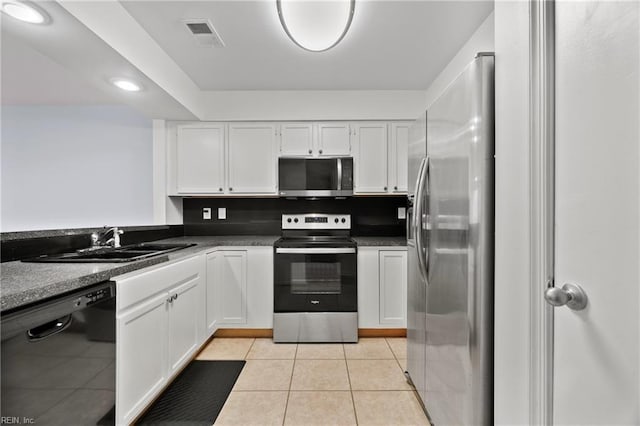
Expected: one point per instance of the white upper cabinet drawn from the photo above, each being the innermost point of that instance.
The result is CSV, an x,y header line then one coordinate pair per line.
x,y
200,165
296,139
381,157
333,139
307,139
370,141
398,156
252,163
241,158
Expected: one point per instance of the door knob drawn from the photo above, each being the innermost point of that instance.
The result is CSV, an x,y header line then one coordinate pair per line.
x,y
571,295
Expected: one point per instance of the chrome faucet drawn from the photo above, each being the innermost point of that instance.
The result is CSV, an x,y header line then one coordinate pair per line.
x,y
98,239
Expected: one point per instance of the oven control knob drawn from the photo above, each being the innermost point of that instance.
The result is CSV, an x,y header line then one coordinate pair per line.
x,y
336,220
344,220
295,220
289,220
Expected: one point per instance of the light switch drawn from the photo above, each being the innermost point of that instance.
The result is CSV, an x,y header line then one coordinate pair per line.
x,y
206,213
402,213
222,213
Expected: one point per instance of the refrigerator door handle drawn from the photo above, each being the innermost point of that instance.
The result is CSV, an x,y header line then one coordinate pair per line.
x,y
418,220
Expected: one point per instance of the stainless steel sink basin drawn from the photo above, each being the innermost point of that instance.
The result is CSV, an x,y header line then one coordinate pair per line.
x,y
110,255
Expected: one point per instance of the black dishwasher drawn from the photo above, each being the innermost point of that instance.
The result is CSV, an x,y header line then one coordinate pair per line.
x,y
58,360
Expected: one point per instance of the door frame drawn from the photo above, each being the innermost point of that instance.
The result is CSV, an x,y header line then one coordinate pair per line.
x,y
542,202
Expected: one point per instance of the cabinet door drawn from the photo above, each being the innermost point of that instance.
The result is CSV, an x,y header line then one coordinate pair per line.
x,y
213,273
252,158
230,282
368,287
398,157
370,141
260,287
393,287
200,159
296,139
141,364
333,139
183,322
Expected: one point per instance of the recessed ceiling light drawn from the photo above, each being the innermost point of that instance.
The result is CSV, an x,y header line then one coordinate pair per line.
x,y
127,85
23,11
316,25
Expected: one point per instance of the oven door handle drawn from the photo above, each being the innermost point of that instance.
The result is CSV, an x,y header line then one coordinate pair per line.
x,y
326,250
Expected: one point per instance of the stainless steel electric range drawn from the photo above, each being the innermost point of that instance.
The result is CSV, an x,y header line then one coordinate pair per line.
x,y
315,279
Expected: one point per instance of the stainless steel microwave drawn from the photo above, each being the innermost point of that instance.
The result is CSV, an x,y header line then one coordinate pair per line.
x,y
315,177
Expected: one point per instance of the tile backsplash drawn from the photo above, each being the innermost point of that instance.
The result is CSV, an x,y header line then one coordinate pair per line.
x,y
370,216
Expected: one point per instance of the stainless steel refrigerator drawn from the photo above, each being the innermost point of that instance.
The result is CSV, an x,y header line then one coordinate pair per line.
x,y
450,243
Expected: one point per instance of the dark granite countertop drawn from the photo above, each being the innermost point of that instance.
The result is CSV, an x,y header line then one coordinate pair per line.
x,y
23,283
45,233
380,241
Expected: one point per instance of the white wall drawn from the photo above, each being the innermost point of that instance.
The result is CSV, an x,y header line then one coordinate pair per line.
x,y
513,240
75,166
482,40
313,105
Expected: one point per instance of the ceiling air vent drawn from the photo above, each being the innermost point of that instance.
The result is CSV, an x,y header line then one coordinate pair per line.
x,y
204,32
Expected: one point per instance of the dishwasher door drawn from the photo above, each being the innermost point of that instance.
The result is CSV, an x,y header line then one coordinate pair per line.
x,y
58,360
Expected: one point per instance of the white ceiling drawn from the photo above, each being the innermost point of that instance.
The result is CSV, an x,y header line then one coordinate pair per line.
x,y
392,45
394,50
29,77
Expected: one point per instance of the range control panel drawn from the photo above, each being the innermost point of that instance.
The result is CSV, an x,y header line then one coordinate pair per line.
x,y
316,221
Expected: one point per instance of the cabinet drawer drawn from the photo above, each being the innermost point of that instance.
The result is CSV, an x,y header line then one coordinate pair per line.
x,y
135,288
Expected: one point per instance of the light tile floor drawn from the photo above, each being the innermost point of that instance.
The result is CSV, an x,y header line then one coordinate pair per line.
x,y
318,384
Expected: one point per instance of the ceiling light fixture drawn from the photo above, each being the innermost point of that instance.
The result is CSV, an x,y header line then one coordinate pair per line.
x,y
127,85
23,11
316,25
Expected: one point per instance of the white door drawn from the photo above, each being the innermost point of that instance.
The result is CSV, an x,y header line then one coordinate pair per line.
x,y
333,139
393,288
183,322
596,350
141,348
296,139
370,165
200,159
398,157
230,282
252,158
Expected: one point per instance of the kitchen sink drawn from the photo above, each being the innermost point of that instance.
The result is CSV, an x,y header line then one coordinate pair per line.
x,y
111,254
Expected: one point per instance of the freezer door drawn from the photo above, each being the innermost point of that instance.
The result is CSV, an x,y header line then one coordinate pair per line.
x,y
459,309
416,315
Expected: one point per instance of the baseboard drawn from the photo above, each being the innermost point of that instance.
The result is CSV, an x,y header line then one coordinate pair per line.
x,y
268,332
382,332
243,332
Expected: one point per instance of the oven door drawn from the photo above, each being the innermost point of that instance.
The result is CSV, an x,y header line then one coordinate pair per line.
x,y
315,280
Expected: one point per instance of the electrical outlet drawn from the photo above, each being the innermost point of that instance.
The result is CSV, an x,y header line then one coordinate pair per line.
x,y
402,213
206,213
222,213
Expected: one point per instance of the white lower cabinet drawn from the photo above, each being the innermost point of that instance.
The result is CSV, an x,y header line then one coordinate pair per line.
x,y
382,287
227,287
240,288
183,326
141,348
160,324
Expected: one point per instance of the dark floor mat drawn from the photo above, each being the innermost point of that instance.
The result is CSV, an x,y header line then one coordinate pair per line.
x,y
196,396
